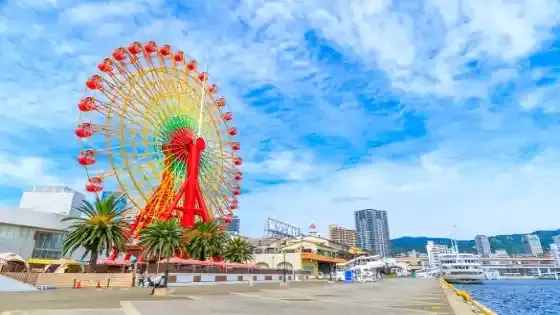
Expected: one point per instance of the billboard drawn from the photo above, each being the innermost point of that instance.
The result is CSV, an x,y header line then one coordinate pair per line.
x,y
279,229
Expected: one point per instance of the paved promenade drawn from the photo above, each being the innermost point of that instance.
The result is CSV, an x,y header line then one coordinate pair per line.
x,y
387,297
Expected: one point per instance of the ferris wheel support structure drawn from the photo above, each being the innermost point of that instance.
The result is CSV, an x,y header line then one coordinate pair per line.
x,y
193,203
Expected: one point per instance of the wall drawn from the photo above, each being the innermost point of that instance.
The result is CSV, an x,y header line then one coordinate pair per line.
x,y
311,265
31,218
61,280
276,260
16,239
183,279
21,241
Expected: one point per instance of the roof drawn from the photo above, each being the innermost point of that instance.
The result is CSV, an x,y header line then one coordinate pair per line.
x,y
261,241
32,218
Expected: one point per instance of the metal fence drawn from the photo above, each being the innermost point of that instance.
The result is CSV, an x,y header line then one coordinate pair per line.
x,y
25,277
174,268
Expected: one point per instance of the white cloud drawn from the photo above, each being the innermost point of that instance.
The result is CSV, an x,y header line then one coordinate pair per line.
x,y
93,12
415,55
288,165
26,171
427,196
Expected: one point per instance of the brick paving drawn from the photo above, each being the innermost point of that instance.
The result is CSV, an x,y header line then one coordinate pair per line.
x,y
387,297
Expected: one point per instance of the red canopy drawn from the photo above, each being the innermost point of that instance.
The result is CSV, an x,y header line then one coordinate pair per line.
x,y
182,261
112,262
238,265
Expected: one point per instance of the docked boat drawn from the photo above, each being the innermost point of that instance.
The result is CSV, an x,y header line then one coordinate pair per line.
x,y
368,268
461,268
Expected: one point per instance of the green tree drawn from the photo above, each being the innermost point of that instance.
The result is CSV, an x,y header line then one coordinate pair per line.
x,y
206,240
238,250
98,230
163,239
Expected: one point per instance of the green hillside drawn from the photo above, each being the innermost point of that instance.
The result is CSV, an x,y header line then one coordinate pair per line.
x,y
511,243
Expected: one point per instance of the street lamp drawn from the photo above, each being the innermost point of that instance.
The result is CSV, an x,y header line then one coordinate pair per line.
x,y
284,270
284,262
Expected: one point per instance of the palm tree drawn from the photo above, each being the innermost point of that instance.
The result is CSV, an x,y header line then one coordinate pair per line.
x,y
98,230
163,239
206,240
238,250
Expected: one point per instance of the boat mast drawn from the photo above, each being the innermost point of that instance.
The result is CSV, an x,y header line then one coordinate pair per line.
x,y
454,245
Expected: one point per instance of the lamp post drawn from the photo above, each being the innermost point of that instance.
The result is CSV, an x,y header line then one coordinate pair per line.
x,y
284,270
283,244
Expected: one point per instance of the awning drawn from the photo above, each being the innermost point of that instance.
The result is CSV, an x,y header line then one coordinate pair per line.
x,y
113,262
238,265
43,261
182,261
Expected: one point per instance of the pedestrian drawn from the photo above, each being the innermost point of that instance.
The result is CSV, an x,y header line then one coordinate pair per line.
x,y
158,283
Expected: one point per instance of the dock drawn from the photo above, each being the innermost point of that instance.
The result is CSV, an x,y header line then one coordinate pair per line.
x,y
397,296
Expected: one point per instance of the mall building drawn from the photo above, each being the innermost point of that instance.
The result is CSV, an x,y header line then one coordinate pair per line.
x,y
313,254
34,229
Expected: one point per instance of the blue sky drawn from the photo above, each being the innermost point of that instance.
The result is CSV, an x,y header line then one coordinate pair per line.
x,y
441,112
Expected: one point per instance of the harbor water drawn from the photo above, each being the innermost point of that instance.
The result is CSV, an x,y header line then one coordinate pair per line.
x,y
517,297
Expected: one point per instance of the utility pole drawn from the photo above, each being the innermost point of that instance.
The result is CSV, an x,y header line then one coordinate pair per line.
x,y
284,243
284,270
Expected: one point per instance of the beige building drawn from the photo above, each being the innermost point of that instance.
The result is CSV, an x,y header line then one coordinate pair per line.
x,y
307,253
342,235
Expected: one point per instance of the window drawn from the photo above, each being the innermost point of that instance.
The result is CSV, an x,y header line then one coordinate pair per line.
x,y
48,245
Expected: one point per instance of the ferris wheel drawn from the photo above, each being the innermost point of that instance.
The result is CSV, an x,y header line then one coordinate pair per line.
x,y
151,126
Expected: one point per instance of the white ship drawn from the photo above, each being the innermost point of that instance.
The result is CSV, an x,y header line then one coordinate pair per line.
x,y
461,268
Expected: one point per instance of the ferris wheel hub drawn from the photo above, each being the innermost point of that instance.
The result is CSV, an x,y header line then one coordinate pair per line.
x,y
180,143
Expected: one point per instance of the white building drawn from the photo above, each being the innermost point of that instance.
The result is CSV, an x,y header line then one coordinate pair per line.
x,y
499,253
35,230
532,245
434,253
483,246
555,250
52,199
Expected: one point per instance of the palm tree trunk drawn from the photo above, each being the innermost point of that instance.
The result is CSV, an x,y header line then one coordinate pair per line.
x,y
93,261
166,272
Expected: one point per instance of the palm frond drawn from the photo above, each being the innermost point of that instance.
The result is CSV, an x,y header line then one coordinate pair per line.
x,y
98,230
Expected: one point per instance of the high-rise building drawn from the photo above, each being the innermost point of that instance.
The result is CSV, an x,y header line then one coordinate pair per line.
x,y
235,225
483,245
342,235
435,251
372,231
532,245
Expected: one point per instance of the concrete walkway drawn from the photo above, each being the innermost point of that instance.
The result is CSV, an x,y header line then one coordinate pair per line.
x,y
9,284
388,297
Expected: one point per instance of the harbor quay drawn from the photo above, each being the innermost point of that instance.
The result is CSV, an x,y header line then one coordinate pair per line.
x,y
396,296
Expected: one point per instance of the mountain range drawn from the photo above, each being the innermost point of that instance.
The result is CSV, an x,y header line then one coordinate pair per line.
x,y
510,242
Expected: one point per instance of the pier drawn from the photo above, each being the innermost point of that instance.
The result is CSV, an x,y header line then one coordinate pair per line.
x,y
397,296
